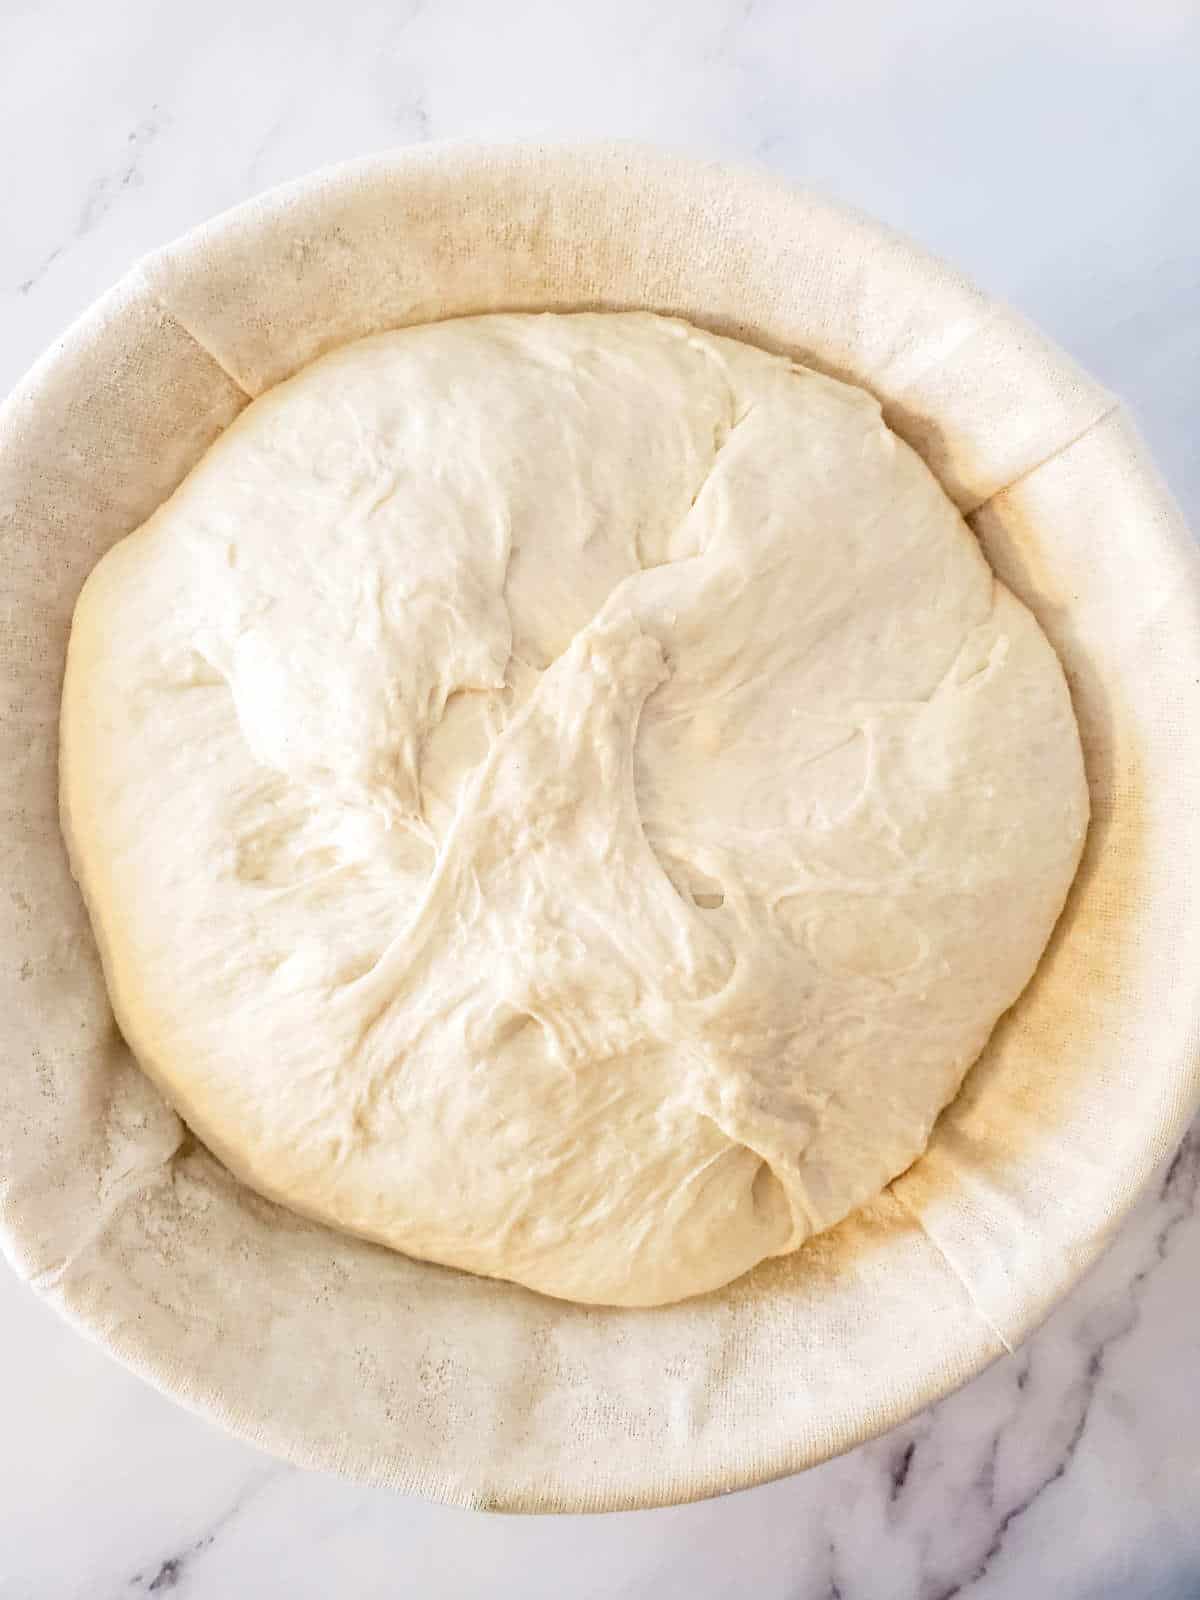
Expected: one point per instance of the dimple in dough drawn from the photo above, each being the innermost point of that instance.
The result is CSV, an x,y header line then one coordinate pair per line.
x,y
565,797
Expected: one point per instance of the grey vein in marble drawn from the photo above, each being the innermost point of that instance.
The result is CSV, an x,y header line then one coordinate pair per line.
x,y
172,1570
102,193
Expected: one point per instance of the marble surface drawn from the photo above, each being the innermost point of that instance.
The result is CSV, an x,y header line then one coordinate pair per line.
x,y
1054,152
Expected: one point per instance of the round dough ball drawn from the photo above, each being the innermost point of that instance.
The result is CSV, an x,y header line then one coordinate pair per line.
x,y
565,797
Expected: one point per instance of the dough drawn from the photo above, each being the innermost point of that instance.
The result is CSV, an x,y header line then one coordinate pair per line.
x,y
564,796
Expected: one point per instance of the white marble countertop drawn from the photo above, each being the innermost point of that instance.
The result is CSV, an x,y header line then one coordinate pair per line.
x,y
1053,151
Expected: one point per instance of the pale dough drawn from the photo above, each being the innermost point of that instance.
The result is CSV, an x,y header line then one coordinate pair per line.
x,y
565,797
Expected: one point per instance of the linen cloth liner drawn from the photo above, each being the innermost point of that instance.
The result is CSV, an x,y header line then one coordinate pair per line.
x,y
337,1353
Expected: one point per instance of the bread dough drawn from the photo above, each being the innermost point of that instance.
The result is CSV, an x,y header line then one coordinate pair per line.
x,y
564,796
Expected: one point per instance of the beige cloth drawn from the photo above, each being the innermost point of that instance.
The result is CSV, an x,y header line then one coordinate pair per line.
x,y
334,1352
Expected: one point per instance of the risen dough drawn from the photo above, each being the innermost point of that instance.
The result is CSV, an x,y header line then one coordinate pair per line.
x,y
565,797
